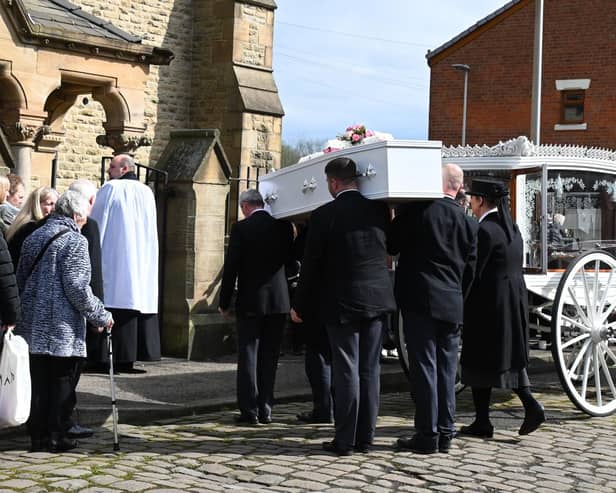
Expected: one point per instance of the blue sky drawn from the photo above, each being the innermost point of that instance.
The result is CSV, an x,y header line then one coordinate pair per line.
x,y
339,63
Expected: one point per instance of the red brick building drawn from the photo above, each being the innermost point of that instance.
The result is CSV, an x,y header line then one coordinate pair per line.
x,y
578,103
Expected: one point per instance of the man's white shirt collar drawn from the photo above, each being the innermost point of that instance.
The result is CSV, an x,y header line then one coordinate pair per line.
x,y
347,190
489,212
257,210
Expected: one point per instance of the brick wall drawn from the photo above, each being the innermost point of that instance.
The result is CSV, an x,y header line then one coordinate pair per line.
x,y
578,44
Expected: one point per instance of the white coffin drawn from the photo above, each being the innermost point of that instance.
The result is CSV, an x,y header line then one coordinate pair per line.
x,y
393,170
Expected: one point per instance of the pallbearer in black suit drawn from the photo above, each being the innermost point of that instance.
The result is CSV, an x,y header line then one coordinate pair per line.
x,y
259,246
495,339
345,263
437,244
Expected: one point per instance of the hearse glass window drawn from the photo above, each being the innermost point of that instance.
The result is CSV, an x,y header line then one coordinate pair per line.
x,y
581,207
526,210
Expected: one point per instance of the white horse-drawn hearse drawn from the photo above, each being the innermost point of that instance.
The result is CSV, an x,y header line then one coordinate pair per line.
x,y
563,199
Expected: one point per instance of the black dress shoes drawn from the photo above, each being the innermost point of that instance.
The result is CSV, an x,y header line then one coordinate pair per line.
x,y
334,448
61,444
477,430
243,419
310,417
39,444
77,431
444,443
265,420
532,421
414,444
363,447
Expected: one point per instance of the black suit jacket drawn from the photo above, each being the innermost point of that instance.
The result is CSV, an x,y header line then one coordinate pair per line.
x,y
92,233
259,247
437,246
344,274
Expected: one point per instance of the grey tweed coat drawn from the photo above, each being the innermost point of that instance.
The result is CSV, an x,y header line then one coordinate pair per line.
x,y
56,300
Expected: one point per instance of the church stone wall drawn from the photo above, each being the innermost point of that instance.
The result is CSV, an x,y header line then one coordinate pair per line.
x,y
198,89
166,23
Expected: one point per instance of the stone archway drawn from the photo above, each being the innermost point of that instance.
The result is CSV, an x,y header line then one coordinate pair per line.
x,y
122,133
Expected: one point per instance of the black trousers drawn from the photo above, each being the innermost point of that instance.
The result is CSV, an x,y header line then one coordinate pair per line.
x,y
135,336
71,402
433,358
356,349
53,389
258,348
318,367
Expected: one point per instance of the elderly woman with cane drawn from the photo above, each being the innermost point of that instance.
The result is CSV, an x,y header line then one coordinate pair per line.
x,y
53,276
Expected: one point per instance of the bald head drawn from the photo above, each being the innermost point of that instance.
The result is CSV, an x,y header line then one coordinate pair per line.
x,y
120,165
453,179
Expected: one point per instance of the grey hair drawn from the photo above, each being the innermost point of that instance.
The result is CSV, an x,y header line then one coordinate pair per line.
x,y
251,196
126,160
85,187
72,202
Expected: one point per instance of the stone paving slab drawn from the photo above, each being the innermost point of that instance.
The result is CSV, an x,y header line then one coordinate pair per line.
x,y
572,452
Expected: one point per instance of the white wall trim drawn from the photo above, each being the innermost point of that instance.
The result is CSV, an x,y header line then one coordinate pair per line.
x,y
570,126
572,84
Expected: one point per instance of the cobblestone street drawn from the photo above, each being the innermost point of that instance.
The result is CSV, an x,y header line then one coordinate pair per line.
x,y
570,453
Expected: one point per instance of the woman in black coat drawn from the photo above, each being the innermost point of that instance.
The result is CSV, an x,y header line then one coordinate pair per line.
x,y
495,335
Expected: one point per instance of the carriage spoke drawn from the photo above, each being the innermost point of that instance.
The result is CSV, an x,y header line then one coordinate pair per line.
x,y
585,375
611,354
589,312
597,375
604,297
595,288
575,323
572,369
575,340
578,308
609,311
608,375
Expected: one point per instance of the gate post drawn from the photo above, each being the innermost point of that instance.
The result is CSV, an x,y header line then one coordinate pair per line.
x,y
198,187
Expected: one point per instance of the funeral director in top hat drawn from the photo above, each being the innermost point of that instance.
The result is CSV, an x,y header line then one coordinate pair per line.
x,y
495,335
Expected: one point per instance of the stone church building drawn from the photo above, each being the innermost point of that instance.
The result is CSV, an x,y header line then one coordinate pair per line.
x,y
86,79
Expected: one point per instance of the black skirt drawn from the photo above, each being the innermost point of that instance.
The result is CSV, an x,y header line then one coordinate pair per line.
x,y
510,379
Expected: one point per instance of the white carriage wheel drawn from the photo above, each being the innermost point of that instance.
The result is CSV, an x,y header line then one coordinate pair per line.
x,y
403,354
584,332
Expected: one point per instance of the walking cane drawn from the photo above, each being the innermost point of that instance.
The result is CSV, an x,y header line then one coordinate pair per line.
x,y
114,408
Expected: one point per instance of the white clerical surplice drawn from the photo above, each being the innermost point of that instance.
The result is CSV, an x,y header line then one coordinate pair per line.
x,y
126,214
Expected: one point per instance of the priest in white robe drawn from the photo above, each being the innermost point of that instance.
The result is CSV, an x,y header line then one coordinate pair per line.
x,y
125,211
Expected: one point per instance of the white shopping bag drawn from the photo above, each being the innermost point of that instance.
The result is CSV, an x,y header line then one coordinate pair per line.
x,y
15,388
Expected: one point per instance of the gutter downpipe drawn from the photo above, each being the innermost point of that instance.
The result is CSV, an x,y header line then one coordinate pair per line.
x,y
537,74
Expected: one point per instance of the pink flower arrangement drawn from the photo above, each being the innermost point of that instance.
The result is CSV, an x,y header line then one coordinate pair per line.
x,y
356,133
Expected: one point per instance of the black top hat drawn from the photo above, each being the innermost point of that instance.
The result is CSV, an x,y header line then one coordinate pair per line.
x,y
486,187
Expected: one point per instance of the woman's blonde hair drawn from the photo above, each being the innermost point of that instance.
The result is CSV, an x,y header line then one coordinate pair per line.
x,y
5,186
31,210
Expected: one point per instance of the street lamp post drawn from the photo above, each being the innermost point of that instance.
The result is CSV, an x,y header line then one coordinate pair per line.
x,y
466,69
